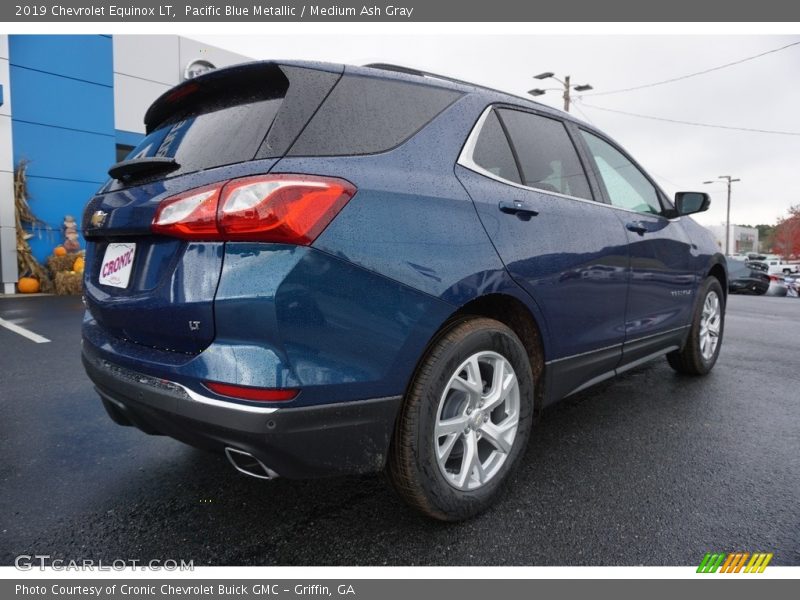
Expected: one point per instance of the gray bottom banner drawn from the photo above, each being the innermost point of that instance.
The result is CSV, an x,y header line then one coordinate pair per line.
x,y
388,589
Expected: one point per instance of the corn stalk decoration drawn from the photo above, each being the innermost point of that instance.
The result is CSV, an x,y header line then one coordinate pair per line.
x,y
26,262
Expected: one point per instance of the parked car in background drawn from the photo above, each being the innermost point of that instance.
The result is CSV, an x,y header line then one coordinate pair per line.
x,y
743,278
758,265
322,269
776,266
792,286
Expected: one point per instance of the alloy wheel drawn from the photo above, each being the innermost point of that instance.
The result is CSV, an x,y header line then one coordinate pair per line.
x,y
477,420
710,322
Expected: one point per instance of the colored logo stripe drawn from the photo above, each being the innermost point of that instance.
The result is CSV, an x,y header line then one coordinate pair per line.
x,y
734,562
711,562
758,563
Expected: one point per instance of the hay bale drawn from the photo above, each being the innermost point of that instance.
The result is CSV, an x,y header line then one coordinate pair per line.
x,y
68,283
60,264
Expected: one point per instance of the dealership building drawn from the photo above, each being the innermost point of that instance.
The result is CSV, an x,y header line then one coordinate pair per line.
x,y
741,239
71,106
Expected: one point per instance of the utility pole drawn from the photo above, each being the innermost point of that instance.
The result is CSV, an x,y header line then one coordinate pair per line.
x,y
567,87
729,180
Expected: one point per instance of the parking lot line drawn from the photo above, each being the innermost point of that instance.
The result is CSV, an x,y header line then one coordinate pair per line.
x,y
34,337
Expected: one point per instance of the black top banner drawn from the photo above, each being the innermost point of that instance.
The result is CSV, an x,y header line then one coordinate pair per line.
x,y
402,11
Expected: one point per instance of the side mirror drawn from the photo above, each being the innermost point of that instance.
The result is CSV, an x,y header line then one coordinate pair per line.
x,y
688,203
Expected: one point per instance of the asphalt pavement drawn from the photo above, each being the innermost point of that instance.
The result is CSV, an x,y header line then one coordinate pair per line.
x,y
650,468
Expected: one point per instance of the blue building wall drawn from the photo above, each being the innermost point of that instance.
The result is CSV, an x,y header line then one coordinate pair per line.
x,y
62,123
129,138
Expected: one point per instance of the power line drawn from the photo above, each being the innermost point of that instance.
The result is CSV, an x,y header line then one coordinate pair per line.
x,y
693,123
682,77
583,114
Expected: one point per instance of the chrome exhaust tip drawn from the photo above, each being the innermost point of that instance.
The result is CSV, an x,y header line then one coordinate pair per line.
x,y
246,463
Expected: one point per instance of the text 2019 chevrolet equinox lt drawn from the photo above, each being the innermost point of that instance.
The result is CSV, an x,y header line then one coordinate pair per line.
x,y
322,269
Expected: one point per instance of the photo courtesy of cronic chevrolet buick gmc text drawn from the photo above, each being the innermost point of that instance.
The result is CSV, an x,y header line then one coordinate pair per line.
x,y
321,269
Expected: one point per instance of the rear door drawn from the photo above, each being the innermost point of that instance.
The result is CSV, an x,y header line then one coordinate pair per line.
x,y
159,291
566,249
663,283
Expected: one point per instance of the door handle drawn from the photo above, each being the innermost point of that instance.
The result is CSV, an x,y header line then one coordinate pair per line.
x,y
518,207
636,227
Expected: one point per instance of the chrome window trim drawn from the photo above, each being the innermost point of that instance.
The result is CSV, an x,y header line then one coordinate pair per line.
x,y
465,160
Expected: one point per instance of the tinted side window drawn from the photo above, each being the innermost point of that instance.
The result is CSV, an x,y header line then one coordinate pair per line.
x,y
492,151
546,155
626,185
364,115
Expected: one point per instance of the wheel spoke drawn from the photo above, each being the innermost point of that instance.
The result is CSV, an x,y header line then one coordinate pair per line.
x,y
477,468
443,450
448,426
472,384
704,346
496,434
469,388
468,460
502,383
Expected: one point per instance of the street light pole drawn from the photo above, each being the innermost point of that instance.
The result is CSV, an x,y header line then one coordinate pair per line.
x,y
568,87
729,180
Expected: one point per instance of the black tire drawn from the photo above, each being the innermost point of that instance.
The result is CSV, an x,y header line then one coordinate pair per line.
x,y
689,360
412,466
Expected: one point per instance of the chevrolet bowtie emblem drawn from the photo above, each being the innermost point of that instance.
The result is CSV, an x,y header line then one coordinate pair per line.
x,y
99,218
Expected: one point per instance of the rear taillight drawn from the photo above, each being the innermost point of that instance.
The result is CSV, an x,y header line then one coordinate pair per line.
x,y
191,215
292,209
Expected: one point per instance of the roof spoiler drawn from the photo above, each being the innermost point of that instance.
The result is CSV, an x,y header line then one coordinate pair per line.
x,y
210,85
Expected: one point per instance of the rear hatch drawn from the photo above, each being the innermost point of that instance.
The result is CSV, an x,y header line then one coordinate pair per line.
x,y
158,290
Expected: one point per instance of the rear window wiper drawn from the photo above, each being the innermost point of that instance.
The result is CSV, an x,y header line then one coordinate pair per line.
x,y
138,167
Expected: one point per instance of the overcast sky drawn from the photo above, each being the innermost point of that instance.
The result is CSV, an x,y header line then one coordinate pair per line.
x,y
763,94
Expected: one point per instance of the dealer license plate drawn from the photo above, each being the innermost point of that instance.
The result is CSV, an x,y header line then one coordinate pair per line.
x,y
117,265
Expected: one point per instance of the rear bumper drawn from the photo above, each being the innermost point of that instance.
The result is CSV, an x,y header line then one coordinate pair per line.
x,y
302,442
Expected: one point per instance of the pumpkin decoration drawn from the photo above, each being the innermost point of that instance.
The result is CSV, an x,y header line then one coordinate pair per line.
x,y
78,265
28,285
60,251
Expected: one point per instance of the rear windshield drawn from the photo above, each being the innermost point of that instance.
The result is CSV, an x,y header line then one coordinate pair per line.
x,y
366,115
211,138
232,116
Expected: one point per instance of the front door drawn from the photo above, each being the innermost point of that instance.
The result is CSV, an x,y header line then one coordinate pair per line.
x,y
662,283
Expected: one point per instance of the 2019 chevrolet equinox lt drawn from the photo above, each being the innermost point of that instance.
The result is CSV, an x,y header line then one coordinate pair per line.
x,y
322,269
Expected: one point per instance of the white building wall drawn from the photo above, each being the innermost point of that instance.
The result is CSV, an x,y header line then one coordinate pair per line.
x,y
8,238
145,66
737,233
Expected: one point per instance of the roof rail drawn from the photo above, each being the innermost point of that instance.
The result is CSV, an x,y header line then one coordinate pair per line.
x,y
418,72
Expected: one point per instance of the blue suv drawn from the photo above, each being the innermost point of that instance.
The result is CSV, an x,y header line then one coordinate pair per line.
x,y
321,269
